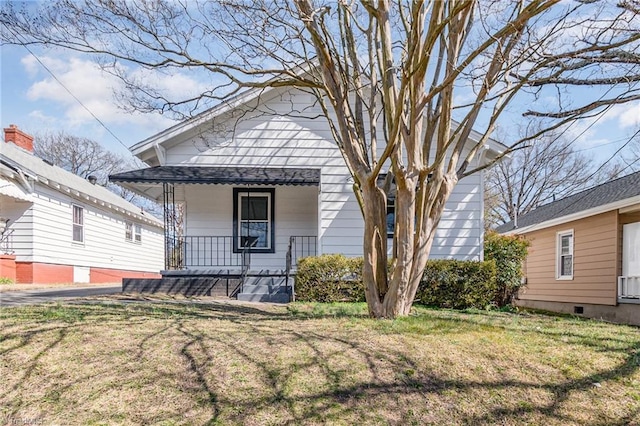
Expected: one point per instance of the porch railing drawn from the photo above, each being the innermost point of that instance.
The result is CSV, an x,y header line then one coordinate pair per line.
x,y
217,251
299,246
6,242
201,251
628,288
302,246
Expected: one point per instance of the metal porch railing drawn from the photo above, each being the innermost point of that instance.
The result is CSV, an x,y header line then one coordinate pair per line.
x,y
629,288
6,242
299,247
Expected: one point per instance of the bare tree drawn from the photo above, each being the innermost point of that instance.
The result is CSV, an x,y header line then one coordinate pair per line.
x,y
385,73
85,157
630,161
546,169
81,156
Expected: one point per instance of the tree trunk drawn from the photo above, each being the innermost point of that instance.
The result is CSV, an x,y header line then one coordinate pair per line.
x,y
392,295
374,270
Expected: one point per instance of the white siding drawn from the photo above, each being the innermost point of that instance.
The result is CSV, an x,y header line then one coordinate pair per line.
x,y
272,140
104,236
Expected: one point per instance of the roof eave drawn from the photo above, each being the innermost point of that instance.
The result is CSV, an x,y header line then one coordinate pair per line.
x,y
620,204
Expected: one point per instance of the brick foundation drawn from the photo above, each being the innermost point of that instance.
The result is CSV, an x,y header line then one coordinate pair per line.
x,y
45,273
8,267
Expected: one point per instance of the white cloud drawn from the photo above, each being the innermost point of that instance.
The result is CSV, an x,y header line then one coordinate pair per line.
x,y
630,116
94,89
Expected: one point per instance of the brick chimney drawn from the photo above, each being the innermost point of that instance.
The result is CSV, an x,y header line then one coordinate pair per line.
x,y
18,137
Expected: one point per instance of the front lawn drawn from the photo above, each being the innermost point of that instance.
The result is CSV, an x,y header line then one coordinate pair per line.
x,y
216,363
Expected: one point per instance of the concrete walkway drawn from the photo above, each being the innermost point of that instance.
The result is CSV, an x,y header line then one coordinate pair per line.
x,y
35,296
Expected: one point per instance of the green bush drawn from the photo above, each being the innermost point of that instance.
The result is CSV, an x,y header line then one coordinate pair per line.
x,y
6,280
329,278
508,252
445,283
458,284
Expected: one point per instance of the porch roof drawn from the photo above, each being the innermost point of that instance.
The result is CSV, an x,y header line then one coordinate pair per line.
x,y
220,175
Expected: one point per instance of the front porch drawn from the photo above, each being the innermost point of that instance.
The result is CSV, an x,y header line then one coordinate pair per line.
x,y
235,237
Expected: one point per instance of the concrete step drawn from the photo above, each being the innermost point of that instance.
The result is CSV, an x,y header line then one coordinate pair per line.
x,y
257,297
269,281
263,289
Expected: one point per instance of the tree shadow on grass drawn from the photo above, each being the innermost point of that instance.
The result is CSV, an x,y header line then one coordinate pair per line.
x,y
389,375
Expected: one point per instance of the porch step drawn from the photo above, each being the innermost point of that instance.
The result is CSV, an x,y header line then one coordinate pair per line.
x,y
264,289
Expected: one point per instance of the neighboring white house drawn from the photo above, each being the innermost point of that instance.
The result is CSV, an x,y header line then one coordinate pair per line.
x,y
252,172
59,227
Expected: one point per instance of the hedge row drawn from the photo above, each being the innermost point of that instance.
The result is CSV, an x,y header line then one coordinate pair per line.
x,y
329,278
445,283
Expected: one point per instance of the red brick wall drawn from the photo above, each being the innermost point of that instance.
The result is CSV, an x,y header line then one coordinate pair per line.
x,y
44,273
8,266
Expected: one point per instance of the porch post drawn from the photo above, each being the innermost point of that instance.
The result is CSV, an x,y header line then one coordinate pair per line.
x,y
169,209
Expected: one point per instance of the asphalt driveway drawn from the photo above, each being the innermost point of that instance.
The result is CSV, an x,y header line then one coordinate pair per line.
x,y
32,297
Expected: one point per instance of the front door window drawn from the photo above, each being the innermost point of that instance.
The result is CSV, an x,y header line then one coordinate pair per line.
x,y
253,220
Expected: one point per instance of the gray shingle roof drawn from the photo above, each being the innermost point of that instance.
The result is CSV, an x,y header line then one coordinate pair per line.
x,y
220,175
48,174
606,193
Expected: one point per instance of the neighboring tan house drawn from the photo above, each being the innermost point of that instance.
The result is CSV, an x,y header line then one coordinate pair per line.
x,y
250,181
58,227
585,253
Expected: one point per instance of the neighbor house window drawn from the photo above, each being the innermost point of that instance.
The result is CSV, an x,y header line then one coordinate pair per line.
x,y
138,233
128,231
78,224
253,212
132,232
564,255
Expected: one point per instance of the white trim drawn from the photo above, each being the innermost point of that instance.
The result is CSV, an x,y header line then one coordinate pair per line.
x,y
630,209
160,153
269,221
319,205
576,216
482,232
559,255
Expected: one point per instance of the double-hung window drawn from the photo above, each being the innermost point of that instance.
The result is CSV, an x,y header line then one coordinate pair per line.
x,y
253,214
128,231
132,232
564,255
78,224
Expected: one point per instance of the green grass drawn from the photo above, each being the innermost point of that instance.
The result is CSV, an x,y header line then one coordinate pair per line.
x,y
169,363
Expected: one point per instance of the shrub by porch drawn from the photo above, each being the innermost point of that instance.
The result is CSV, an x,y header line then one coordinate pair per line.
x,y
445,283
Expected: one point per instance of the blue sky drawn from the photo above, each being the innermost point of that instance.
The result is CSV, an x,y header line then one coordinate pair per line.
x,y
33,100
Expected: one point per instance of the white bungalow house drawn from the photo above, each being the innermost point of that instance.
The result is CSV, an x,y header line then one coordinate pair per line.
x,y
250,173
58,227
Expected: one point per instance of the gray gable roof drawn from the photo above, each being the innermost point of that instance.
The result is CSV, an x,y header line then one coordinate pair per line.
x,y
54,176
606,193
